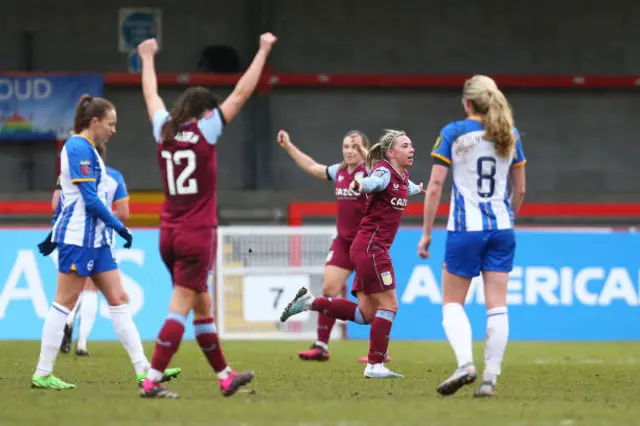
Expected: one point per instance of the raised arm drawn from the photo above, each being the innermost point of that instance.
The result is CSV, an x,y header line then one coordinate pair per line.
x,y
248,82
306,163
147,51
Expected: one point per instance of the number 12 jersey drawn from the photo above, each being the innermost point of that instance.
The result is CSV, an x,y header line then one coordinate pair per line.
x,y
188,166
480,191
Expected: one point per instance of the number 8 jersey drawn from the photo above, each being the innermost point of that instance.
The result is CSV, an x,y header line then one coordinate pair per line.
x,y
188,166
480,192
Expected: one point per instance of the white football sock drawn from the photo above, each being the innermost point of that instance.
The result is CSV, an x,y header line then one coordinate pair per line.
x,y
88,311
496,342
129,336
458,329
72,315
52,334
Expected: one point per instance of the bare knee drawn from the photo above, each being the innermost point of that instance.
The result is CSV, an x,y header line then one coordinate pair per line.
x,y
368,315
68,289
111,287
495,289
183,300
331,288
386,300
203,308
454,288
334,280
117,297
68,300
367,308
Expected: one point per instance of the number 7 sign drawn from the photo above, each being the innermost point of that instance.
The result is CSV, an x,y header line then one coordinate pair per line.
x,y
265,296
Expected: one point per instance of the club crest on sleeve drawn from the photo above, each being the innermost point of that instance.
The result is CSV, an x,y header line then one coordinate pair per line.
x,y
387,279
358,176
85,168
379,172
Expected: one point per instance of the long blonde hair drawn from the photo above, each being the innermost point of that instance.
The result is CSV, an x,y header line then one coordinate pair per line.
x,y
486,99
378,151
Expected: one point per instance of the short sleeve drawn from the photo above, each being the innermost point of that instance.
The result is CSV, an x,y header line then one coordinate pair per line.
x,y
377,181
121,193
332,171
211,126
519,159
82,161
383,175
442,148
159,118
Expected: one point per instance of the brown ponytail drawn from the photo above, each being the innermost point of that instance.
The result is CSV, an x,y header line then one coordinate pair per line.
x,y
192,104
88,108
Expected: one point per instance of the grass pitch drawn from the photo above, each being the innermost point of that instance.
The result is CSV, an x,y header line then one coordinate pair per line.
x,y
563,384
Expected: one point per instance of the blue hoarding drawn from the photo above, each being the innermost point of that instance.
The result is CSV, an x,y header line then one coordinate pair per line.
x,y
28,283
565,286
569,285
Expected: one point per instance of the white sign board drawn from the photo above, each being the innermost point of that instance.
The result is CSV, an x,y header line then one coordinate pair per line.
x,y
265,296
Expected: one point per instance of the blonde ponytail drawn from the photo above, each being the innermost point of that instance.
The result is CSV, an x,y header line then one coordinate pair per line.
x,y
375,154
485,98
499,124
378,151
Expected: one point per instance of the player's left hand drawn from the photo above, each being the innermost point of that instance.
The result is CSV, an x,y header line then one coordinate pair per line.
x,y
423,246
283,139
127,237
149,47
267,40
47,246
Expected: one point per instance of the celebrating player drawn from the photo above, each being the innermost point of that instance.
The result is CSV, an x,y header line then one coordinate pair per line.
x,y
351,207
374,285
82,234
484,151
87,305
186,144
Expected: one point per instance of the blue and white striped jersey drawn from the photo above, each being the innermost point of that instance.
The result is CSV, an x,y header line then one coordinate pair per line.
x,y
116,187
480,193
80,162
116,190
